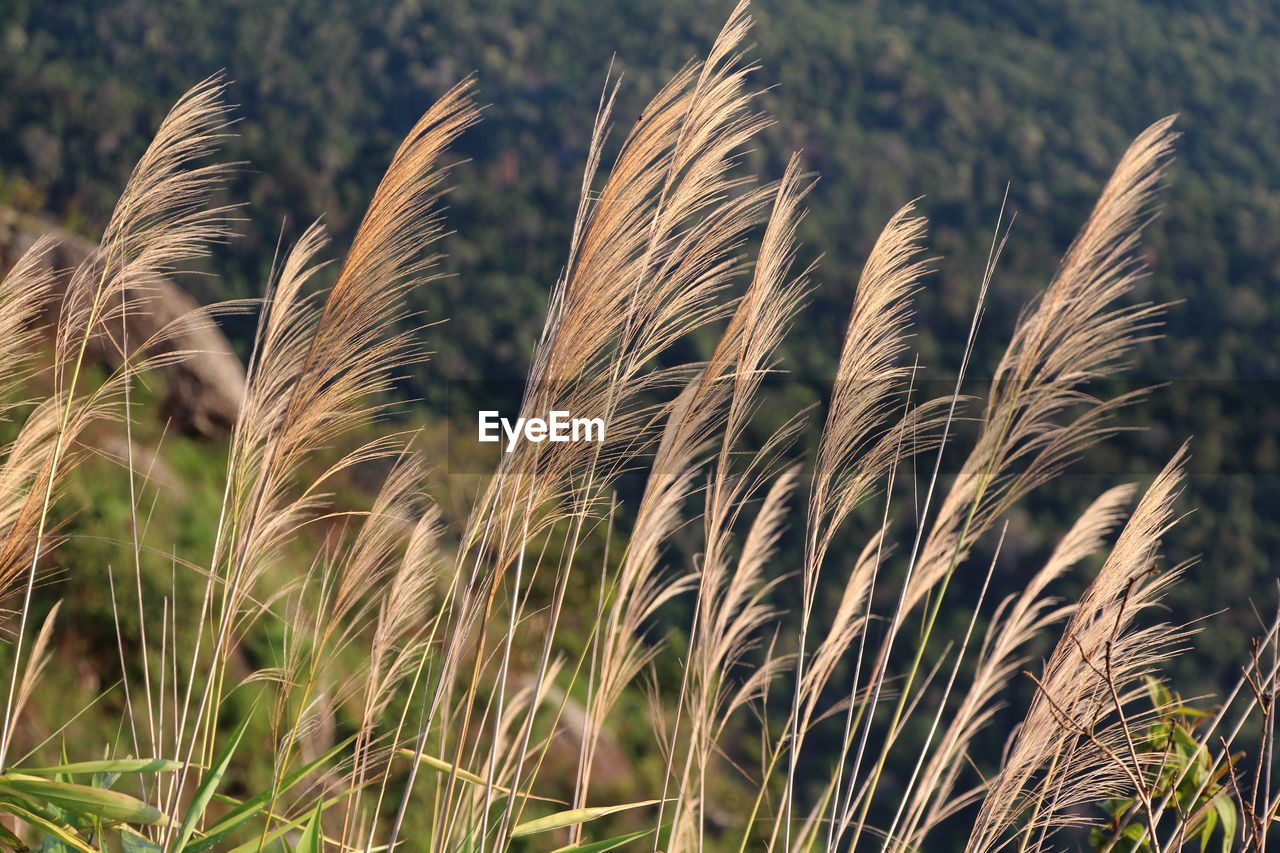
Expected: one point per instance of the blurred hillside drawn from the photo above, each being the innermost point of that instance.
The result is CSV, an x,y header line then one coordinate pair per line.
x,y
889,101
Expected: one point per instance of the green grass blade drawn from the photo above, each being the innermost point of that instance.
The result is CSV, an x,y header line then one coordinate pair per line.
x,y
112,806
132,842
312,840
441,766
208,785
122,765
572,817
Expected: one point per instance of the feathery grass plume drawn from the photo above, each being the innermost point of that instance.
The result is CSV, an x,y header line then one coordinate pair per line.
x,y
651,259
398,645
855,450
647,268
730,608
25,477
639,591
847,623
694,422
351,582
318,368
163,218
37,662
24,294
1014,624
367,588
371,563
1073,746
285,332
321,365
403,612
1077,332
866,382
770,303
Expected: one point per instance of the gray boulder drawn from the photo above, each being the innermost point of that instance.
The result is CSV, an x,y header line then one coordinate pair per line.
x,y
203,391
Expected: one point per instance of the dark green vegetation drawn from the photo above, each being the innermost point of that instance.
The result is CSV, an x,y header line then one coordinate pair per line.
x,y
887,101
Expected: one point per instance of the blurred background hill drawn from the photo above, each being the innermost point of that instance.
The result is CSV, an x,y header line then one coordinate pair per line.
x,y
956,102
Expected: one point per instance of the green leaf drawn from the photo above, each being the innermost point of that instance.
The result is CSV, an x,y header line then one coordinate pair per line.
x,y
1226,811
121,765
1160,696
1135,838
112,806
208,785
1191,712
135,843
572,817
601,846
1209,824
312,840
49,844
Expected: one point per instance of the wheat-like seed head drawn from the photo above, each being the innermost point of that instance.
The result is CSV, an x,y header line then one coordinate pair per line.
x,y
1066,746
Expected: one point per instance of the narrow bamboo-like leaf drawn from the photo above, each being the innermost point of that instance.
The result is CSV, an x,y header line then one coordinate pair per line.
x,y
312,840
121,765
572,817
602,846
441,766
135,843
208,785
65,834
113,806
444,767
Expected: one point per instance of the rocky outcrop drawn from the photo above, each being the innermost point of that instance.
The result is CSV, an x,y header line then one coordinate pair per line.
x,y
203,391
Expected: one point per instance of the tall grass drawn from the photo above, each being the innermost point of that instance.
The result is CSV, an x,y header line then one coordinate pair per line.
x,y
423,674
